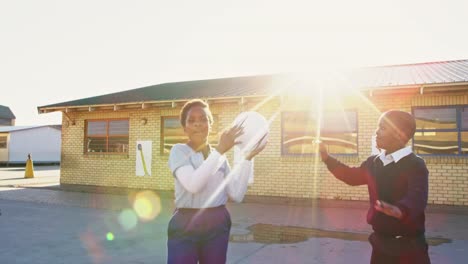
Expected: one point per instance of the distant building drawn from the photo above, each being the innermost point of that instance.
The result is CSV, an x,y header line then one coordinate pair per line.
x,y
7,118
102,134
43,142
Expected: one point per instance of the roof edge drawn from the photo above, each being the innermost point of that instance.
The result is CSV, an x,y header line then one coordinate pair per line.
x,y
45,109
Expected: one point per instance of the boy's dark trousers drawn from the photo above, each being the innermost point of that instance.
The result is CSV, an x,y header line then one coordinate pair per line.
x,y
420,256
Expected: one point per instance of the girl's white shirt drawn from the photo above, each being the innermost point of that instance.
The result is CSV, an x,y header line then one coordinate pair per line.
x,y
201,183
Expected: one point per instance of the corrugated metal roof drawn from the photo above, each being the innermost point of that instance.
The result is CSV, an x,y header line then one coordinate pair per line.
x,y
441,72
8,129
214,88
6,113
396,76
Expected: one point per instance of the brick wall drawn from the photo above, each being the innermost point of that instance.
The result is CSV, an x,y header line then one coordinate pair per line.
x,y
275,174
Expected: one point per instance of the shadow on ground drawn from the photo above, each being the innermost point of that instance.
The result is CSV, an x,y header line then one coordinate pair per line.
x,y
275,234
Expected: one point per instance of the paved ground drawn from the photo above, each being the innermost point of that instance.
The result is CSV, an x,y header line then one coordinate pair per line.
x,y
43,176
40,225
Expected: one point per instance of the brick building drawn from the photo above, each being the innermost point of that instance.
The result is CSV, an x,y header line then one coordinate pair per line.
x,y
100,134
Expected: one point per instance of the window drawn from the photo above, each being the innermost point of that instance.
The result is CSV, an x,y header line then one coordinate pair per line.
x,y
338,130
441,130
3,142
172,133
106,136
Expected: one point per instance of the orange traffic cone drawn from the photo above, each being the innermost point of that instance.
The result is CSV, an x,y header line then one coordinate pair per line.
x,y
29,171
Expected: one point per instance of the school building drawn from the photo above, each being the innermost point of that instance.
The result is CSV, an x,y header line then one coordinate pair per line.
x,y
122,140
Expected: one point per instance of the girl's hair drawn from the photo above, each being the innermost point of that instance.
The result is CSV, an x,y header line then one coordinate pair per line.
x,y
195,102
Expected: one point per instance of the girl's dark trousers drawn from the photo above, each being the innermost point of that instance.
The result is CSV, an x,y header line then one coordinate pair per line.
x,y
198,235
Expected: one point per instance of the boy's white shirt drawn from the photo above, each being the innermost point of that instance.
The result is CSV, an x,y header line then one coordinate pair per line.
x,y
395,156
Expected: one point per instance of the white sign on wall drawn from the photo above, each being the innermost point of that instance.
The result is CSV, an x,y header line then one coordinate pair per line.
x,y
143,158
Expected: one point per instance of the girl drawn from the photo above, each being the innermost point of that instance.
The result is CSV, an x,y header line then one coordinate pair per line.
x,y
199,229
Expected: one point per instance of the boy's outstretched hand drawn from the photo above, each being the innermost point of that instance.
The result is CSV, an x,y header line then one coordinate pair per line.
x,y
323,151
388,209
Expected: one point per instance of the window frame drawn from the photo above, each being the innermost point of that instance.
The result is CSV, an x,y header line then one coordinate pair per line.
x,y
107,136
286,154
163,118
459,129
6,142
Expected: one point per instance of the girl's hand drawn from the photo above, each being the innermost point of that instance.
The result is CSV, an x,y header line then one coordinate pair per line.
x,y
228,137
256,151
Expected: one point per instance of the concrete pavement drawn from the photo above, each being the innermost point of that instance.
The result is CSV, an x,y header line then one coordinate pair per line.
x,y
40,225
43,176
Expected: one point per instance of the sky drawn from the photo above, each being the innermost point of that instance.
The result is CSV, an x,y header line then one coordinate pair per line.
x,y
56,51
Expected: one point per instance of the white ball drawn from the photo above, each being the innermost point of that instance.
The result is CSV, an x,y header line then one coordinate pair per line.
x,y
255,130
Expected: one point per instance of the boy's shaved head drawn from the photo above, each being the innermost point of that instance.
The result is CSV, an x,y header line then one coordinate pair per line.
x,y
402,122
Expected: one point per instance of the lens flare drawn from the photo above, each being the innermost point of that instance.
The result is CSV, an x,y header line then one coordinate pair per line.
x,y
147,205
94,247
128,219
109,236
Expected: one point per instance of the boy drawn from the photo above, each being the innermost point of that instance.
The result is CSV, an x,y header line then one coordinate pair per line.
x,y
397,181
